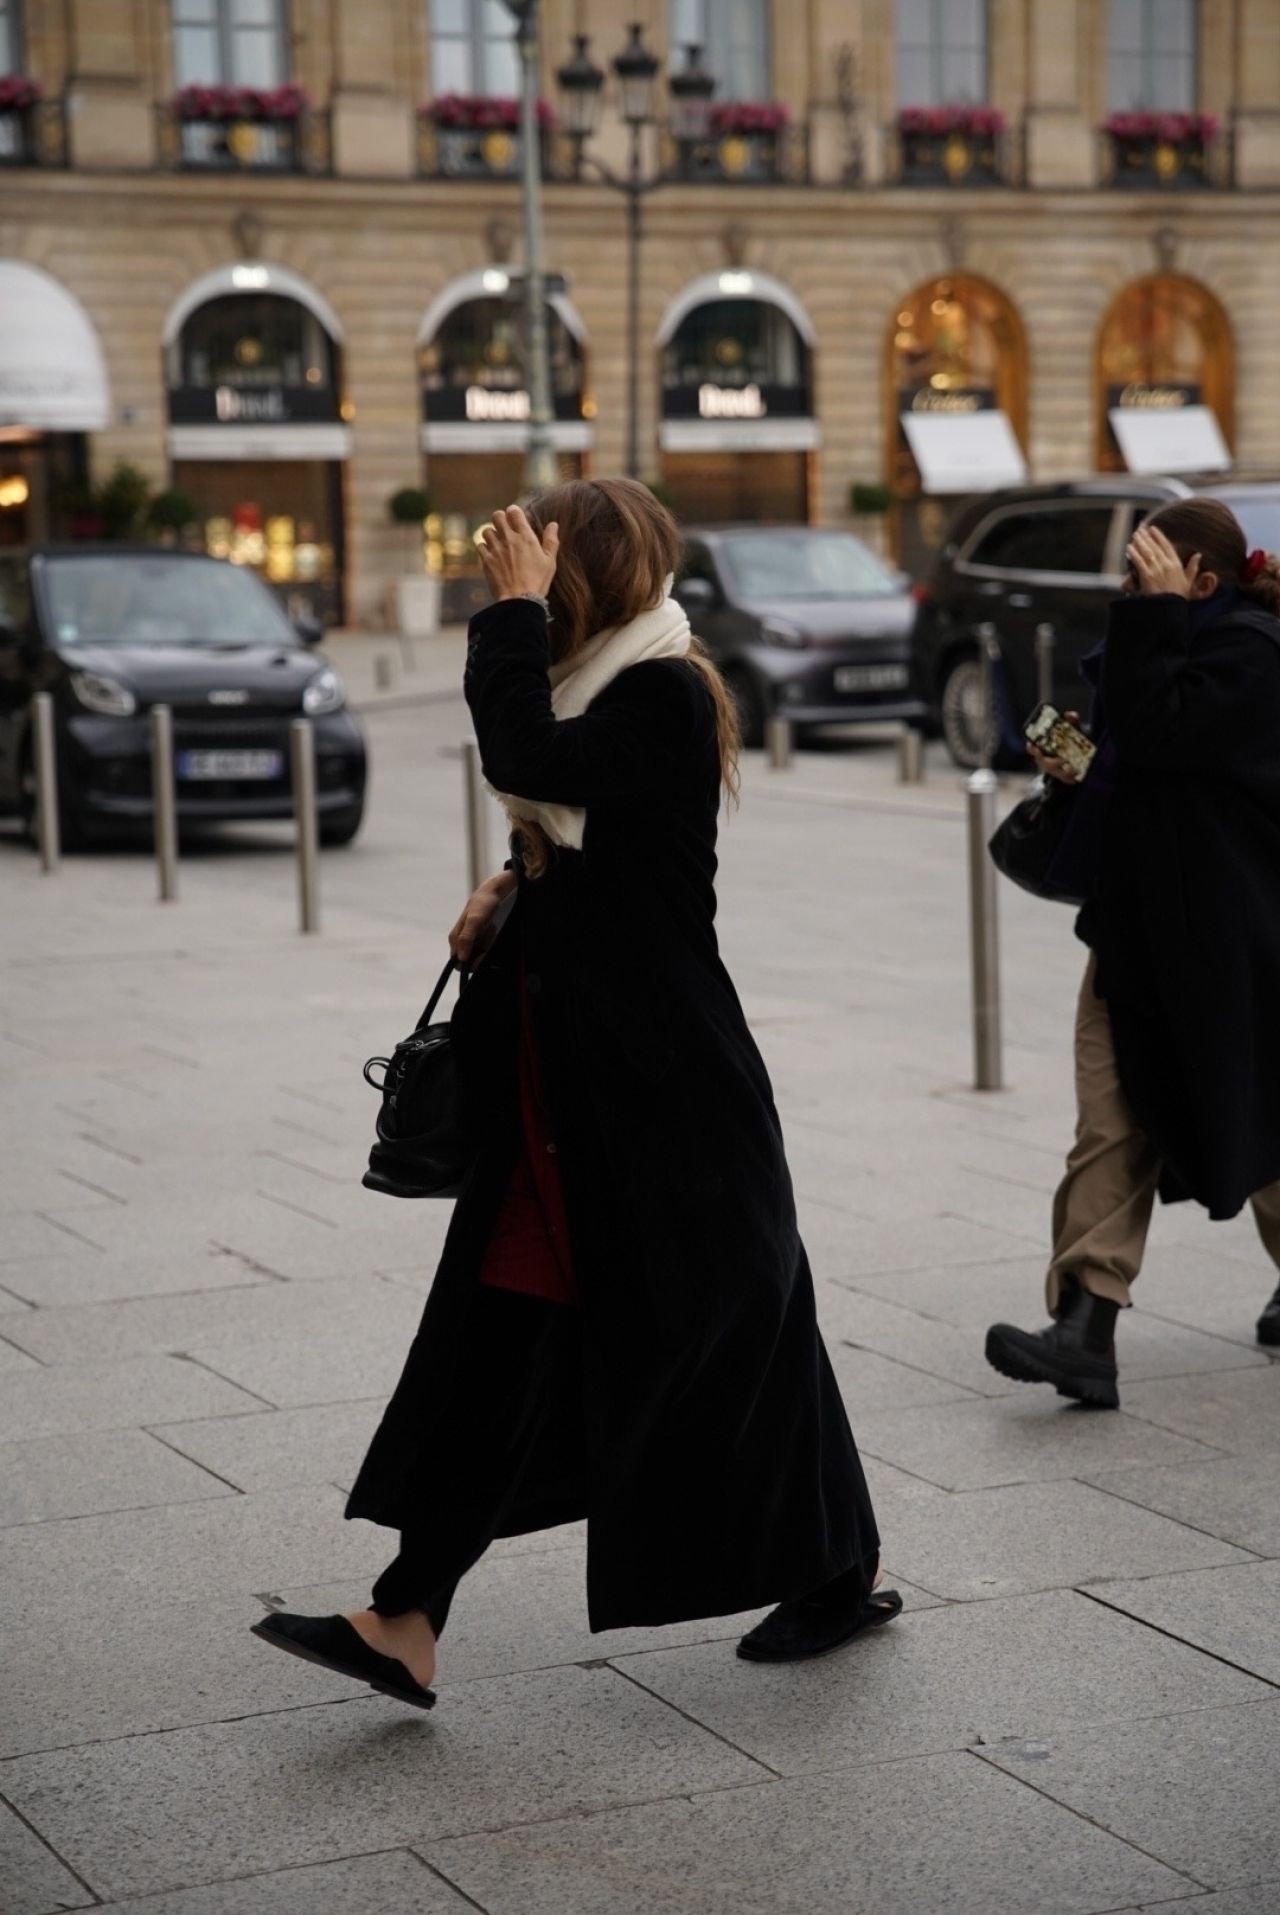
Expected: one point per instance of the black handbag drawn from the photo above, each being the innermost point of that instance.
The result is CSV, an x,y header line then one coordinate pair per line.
x,y
420,1151
1026,846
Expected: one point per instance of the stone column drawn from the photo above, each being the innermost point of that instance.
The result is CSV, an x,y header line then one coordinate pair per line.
x,y
373,121
1257,126
1061,140
107,104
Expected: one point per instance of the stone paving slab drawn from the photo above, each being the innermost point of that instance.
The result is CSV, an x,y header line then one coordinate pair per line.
x,y
32,1879
1262,1899
836,1844
1234,1612
280,1448
396,1882
88,1277
1028,1437
1238,1412
1197,1791
279,1790
1233,1497
1031,1536
950,1678
112,1396
51,1477
871,1383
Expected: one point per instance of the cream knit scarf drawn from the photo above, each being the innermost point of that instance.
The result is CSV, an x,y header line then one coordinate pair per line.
x,y
576,682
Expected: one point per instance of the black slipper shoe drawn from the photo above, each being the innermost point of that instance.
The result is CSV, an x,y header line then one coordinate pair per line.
x,y
334,1644
794,1631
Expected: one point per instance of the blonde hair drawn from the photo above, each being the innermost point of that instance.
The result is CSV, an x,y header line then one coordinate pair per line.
x,y
618,547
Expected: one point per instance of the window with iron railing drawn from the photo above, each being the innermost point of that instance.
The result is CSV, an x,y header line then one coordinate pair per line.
x,y
1151,56
473,49
734,37
942,52
229,43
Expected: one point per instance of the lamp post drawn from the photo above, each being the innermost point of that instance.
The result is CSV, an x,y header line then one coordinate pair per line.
x,y
540,459
581,84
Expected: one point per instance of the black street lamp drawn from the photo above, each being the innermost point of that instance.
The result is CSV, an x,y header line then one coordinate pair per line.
x,y
636,69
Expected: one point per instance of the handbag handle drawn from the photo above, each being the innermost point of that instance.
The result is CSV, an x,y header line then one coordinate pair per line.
x,y
452,966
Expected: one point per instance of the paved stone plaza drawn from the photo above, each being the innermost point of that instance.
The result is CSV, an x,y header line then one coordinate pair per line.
x,y
202,1311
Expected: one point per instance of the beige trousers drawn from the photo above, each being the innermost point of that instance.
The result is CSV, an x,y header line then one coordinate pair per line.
x,y
1102,1210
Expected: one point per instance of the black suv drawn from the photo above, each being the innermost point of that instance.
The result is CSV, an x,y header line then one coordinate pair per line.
x,y
1041,556
110,631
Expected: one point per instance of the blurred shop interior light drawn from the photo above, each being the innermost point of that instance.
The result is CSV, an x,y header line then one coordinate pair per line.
x,y
14,490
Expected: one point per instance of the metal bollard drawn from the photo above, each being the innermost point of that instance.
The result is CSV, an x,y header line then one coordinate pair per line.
x,y
382,672
476,801
988,658
302,759
1045,641
45,761
984,936
910,758
778,738
164,805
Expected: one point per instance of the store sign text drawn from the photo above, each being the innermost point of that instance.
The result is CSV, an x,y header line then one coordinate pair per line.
x,y
252,407
490,407
731,402
1157,398
929,400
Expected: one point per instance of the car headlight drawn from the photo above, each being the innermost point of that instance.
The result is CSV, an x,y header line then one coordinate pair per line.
x,y
325,692
776,631
97,692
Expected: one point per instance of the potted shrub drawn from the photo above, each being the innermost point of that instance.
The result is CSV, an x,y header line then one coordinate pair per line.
x,y
171,513
1160,149
415,595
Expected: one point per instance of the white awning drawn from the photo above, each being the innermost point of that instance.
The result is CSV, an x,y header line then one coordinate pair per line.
x,y
964,451
1170,438
738,435
306,440
501,435
53,377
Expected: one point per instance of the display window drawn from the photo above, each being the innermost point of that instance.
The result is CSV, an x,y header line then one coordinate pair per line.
x,y
1165,379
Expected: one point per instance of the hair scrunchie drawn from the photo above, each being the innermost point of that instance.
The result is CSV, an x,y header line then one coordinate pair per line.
x,y
1253,565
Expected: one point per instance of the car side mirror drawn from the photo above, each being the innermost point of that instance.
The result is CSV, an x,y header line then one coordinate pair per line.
x,y
308,628
697,594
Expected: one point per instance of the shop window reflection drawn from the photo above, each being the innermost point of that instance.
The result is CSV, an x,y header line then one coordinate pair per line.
x,y
736,343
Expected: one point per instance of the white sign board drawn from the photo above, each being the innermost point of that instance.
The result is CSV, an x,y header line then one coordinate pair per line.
x,y
964,451
52,374
1170,439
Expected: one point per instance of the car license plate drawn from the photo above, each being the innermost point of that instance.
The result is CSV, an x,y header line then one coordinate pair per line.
x,y
871,678
259,765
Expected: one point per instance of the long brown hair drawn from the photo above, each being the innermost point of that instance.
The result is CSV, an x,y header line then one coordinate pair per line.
x,y
1210,528
618,547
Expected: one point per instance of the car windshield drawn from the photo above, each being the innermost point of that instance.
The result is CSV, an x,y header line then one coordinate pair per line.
x,y
1259,516
801,565
145,598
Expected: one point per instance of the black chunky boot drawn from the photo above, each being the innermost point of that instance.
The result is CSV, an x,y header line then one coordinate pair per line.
x,y
1269,1321
1077,1352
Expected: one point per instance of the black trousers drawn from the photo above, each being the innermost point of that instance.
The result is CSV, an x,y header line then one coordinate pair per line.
x,y
514,1443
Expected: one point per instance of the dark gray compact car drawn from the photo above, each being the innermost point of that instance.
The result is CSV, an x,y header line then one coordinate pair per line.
x,y
110,631
802,621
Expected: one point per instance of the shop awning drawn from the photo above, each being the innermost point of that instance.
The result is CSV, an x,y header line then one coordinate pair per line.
x,y
304,440
739,435
1170,439
964,451
501,435
53,377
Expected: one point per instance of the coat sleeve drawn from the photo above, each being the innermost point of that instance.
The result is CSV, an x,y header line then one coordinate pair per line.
x,y
646,718
1172,706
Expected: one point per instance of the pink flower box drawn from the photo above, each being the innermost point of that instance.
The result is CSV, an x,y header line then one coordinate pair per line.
x,y
748,116
17,93
938,122
482,113
1171,129
240,103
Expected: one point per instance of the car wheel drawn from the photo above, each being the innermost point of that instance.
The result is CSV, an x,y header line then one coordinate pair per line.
x,y
749,699
341,827
960,718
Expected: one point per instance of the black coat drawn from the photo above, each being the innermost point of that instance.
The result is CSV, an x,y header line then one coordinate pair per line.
x,y
718,1472
1186,923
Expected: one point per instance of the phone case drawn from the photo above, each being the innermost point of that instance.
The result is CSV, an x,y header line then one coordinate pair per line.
x,y
1056,737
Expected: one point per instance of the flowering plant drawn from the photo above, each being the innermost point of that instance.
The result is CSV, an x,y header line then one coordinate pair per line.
x,y
17,92
1176,129
935,122
482,112
749,116
241,103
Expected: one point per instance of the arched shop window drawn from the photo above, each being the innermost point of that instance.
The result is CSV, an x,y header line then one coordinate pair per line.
x,y
1165,379
737,432
956,398
258,429
54,392
475,415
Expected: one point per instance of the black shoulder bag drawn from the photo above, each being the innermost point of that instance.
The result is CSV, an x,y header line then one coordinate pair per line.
x,y
420,1150
1026,845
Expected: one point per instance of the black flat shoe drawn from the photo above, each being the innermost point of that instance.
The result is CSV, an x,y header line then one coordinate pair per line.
x,y
1269,1321
815,1625
331,1642
1075,1353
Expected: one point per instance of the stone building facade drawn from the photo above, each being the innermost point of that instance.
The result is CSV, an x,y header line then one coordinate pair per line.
x,y
817,266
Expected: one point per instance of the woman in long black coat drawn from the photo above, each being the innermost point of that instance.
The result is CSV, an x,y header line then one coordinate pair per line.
x,y
1178,1027
622,1326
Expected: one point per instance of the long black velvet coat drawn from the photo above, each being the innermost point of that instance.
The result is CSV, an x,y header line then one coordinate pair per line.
x,y
717,1471
1187,921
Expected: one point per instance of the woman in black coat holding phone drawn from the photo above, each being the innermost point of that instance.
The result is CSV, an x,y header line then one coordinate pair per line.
x,y
622,1326
1178,1026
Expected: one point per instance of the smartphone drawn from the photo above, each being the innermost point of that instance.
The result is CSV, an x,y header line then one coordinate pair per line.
x,y
1056,737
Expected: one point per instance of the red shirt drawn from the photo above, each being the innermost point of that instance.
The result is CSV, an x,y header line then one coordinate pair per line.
x,y
529,1249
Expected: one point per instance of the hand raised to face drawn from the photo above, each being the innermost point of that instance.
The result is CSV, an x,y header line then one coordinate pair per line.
x,y
1158,567
514,559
